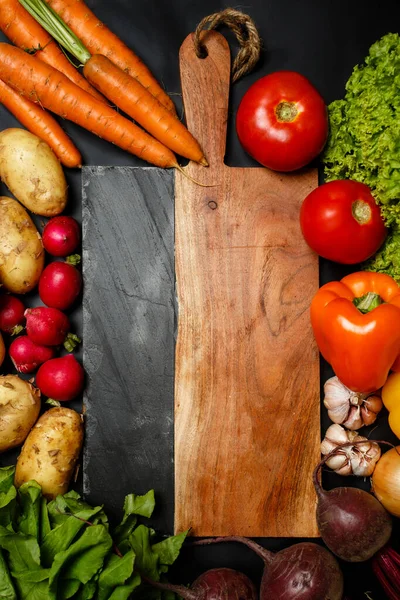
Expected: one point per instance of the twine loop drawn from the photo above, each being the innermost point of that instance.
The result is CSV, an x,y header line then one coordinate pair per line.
x,y
246,33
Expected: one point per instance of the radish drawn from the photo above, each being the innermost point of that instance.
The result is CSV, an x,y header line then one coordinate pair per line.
x,y
61,378
352,522
47,326
61,236
215,584
59,285
11,314
27,356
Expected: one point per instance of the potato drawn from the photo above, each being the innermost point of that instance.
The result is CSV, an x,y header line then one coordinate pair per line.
x,y
51,451
32,172
19,409
21,248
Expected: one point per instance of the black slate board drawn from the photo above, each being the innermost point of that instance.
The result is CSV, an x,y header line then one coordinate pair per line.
x,y
129,316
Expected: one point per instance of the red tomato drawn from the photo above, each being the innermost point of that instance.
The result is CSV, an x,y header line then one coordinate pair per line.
x,y
341,221
282,121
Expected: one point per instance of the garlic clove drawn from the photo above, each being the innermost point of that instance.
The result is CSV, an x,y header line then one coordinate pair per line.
x,y
339,462
370,409
340,413
336,434
354,419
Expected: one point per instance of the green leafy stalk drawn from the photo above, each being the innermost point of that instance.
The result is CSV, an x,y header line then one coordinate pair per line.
x,y
71,342
64,549
56,27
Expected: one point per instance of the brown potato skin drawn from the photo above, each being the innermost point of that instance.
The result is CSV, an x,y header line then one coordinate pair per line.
x,y
21,248
32,172
19,410
51,451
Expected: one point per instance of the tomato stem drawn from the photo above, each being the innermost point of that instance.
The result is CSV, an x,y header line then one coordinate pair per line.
x,y
286,111
361,211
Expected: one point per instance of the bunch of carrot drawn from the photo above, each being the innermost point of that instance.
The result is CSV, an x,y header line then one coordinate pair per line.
x,y
44,78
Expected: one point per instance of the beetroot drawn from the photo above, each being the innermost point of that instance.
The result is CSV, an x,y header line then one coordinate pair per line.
x,y
304,571
61,236
11,313
61,378
59,285
352,523
27,356
46,326
215,584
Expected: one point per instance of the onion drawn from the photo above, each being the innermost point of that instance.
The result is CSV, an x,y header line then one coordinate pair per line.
x,y
386,481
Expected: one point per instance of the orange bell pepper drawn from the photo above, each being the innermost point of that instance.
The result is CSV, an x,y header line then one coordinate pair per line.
x,y
361,344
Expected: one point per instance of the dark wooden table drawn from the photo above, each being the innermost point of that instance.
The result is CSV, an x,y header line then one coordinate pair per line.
x,y
323,41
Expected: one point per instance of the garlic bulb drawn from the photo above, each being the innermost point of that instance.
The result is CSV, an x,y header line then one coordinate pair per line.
x,y
350,409
357,460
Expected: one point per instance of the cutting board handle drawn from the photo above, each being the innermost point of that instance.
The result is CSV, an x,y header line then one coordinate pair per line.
x,y
205,89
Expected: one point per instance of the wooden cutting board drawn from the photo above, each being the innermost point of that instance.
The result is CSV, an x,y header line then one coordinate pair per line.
x,y
247,421
224,425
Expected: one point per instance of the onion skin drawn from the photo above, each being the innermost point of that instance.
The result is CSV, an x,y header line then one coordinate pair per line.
x,y
386,481
314,574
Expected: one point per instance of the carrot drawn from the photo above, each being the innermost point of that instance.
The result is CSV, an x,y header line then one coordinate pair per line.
x,y
130,96
98,39
124,91
26,33
42,124
45,85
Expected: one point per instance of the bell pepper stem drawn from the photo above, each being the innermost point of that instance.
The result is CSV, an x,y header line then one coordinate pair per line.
x,y
368,302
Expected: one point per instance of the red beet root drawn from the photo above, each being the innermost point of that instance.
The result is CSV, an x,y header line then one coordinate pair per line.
x,y
304,571
46,326
215,584
61,236
61,378
59,285
27,356
352,523
11,313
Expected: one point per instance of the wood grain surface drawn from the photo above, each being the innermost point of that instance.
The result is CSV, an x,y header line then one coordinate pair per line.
x,y
247,420
129,320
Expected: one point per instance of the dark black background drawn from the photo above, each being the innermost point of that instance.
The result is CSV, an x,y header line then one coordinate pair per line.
x,y
323,40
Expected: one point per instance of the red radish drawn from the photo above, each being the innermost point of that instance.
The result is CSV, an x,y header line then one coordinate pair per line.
x,y
11,313
46,326
61,378
61,236
59,285
27,356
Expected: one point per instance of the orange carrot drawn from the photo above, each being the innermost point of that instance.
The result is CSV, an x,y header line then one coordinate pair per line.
x,y
124,91
45,85
98,39
42,124
26,33
129,95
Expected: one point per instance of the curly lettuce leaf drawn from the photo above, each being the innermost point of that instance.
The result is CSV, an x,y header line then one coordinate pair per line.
x,y
364,139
